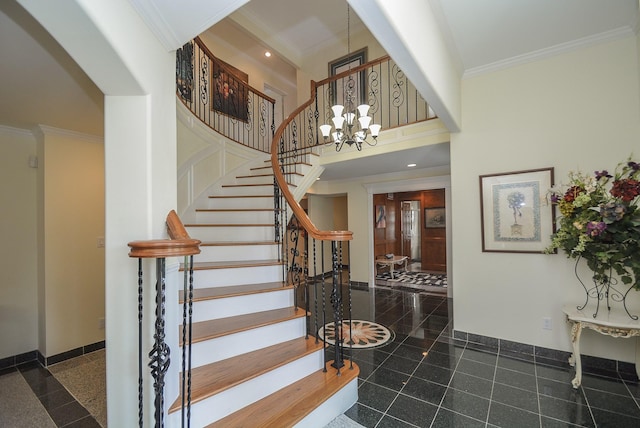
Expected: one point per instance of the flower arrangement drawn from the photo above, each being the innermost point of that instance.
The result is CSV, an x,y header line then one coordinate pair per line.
x,y
600,222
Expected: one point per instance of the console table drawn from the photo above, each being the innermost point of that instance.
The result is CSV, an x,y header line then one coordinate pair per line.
x,y
395,260
610,323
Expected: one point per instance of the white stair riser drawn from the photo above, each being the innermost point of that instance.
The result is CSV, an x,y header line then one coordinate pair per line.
x,y
339,403
240,202
240,305
233,233
236,276
224,347
246,190
238,252
234,217
223,404
258,178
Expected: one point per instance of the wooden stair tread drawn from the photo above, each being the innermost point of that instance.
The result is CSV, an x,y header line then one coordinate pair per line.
x,y
235,264
220,210
211,329
229,225
235,243
201,294
254,175
219,376
248,185
291,404
252,185
238,196
268,167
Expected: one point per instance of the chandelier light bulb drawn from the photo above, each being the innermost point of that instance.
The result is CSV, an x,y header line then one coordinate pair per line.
x,y
363,110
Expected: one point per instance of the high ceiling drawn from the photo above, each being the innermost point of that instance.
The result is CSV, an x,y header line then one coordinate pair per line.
x,y
41,84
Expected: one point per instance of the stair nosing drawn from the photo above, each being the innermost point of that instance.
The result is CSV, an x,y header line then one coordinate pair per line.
x,y
200,294
273,408
243,322
259,367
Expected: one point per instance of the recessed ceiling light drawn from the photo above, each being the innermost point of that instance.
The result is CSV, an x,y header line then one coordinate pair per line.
x,y
267,54
411,165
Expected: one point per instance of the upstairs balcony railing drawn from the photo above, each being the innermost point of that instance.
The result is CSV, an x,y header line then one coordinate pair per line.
x,y
221,97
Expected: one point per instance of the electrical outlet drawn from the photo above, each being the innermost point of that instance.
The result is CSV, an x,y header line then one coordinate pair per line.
x,y
546,323
100,242
101,323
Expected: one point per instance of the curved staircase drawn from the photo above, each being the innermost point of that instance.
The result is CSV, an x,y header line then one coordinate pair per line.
x,y
253,363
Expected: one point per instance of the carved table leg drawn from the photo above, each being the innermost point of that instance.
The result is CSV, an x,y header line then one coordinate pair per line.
x,y
638,356
576,329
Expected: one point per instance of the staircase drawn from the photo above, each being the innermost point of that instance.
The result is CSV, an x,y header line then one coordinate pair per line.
x,y
253,365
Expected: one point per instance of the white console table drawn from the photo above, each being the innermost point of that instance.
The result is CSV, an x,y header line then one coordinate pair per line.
x,y
395,260
610,323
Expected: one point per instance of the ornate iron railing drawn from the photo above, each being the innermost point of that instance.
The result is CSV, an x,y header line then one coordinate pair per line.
x,y
220,97
180,244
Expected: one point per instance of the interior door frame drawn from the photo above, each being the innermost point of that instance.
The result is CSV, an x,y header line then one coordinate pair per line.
x,y
426,183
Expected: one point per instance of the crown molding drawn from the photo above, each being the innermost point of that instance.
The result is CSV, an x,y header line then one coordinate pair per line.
x,y
538,55
16,132
44,130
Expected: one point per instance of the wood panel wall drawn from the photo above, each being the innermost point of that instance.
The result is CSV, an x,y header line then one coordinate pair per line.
x,y
433,240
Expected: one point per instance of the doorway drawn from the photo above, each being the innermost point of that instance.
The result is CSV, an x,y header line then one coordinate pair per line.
x,y
410,231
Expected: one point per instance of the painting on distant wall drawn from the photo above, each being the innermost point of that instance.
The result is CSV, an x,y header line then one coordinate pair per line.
x,y
230,90
434,218
381,217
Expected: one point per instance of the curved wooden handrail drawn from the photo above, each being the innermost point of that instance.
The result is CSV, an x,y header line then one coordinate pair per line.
x,y
301,215
180,244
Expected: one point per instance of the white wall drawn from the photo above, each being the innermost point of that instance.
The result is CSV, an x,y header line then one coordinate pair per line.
x,y
18,254
72,205
137,75
204,157
579,110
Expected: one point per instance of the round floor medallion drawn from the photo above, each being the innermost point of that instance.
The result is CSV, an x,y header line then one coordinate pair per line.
x,y
358,333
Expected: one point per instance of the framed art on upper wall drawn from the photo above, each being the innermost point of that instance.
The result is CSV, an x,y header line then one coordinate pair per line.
x,y
230,90
516,216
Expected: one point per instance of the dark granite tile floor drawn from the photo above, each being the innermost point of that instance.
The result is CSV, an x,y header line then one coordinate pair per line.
x,y
426,378
55,401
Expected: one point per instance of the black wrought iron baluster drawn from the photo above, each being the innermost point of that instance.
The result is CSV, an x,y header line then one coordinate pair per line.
x,y
336,301
305,278
315,290
159,354
350,305
187,318
324,307
140,388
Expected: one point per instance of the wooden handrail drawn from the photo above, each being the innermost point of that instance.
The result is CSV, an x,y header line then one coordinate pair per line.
x,y
179,244
354,70
301,215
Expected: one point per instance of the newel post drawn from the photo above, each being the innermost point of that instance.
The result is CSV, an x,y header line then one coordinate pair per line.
x,y
179,244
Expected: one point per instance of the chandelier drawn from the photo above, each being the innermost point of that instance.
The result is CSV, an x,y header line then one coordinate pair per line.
x,y
347,129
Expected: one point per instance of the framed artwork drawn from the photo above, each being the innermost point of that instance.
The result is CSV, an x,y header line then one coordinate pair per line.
x,y
230,90
356,83
184,71
515,214
434,218
381,217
